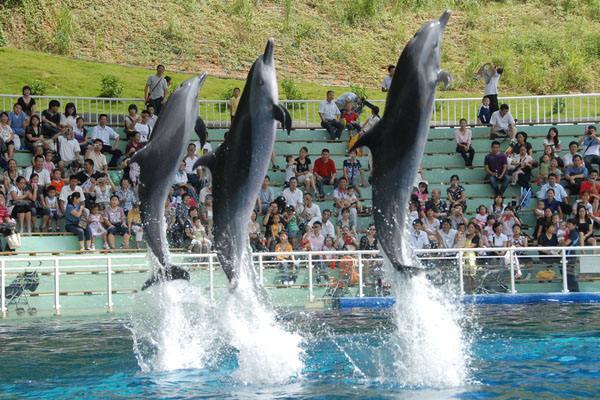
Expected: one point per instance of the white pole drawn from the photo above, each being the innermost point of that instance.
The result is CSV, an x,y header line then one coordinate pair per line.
x,y
360,276
461,269
512,272
211,274
261,269
3,308
109,284
564,271
311,296
56,288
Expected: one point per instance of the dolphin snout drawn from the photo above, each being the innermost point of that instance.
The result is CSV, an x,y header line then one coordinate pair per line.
x,y
444,18
268,56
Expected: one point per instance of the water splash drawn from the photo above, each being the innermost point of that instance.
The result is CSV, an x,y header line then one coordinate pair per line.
x,y
185,329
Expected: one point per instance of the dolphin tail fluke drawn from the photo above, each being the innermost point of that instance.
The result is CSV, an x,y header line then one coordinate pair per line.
x,y
281,114
169,273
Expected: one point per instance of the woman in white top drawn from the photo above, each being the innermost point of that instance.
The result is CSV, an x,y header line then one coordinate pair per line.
x,y
463,136
552,140
69,118
7,136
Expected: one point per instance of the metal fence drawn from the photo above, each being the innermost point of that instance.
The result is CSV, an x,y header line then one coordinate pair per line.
x,y
550,109
357,273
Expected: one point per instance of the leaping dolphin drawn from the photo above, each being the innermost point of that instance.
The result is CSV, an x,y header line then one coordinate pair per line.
x,y
238,166
397,142
158,162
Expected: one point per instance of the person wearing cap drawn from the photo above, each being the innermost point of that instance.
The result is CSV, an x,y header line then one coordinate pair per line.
x,y
418,238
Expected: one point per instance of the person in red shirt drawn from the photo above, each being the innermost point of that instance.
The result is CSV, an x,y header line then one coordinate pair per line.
x,y
591,186
7,224
57,180
350,117
324,171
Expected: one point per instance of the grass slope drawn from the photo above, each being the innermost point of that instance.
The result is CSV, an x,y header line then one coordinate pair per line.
x,y
545,45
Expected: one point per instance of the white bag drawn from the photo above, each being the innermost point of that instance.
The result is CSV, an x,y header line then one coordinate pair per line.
x,y
14,241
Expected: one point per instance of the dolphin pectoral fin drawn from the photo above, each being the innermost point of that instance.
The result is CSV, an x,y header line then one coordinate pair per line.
x,y
281,114
369,139
208,160
138,157
445,78
170,273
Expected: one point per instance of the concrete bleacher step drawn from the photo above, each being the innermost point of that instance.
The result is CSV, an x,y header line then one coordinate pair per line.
x,y
532,131
483,145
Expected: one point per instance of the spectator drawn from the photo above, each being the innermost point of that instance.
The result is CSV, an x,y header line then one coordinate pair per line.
x,y
575,175
153,116
95,224
50,202
591,186
440,208
496,167
200,242
485,114
207,214
143,127
345,221
585,227
549,239
21,203
27,102
498,206
9,177
369,241
481,217
502,124
552,140
18,121
330,117
38,168
290,221
68,147
116,223
325,172
190,160
554,169
234,101
49,161
488,230
265,196
521,174
349,118
457,217
67,190
422,192
310,209
51,127
446,236
353,172
550,202
304,171
418,238
508,219
590,142
292,195
517,238
584,201
73,213
343,200
286,262
33,133
135,145
80,132
387,80
463,138
372,120
7,137
568,158
156,90
105,133
456,194
491,75
103,191
276,229
69,118
327,226
131,119
431,225
521,141
87,175
544,169
498,239
559,191
347,239
94,153
256,237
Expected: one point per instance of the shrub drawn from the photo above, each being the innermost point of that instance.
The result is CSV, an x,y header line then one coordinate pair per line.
x,y
38,87
292,92
226,94
358,90
61,42
3,41
111,86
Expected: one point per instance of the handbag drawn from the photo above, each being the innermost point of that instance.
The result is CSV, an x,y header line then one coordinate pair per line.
x,y
13,240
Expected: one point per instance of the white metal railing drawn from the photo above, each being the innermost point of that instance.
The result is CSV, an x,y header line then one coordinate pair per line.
x,y
547,109
61,265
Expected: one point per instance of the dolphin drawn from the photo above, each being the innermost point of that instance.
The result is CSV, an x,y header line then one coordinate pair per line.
x,y
240,163
158,162
398,140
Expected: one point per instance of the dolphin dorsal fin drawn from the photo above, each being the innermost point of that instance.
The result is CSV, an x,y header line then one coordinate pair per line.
x,y
371,138
281,114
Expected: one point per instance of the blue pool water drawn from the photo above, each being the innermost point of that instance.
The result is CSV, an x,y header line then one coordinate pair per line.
x,y
520,351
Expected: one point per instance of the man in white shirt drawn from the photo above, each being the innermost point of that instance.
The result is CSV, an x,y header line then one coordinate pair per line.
x,y
327,228
387,81
143,127
38,168
311,210
418,237
67,190
94,153
560,194
293,195
153,117
156,89
502,124
446,235
105,133
68,147
330,116
573,151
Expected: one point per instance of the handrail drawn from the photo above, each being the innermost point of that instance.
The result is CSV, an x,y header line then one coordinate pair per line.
x,y
307,257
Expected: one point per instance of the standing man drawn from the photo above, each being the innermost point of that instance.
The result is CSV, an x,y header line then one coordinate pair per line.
x,y
234,101
157,89
330,116
387,81
491,75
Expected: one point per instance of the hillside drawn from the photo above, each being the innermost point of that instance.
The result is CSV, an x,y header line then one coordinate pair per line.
x,y
546,46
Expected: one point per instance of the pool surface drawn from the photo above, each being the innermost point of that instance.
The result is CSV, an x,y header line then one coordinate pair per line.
x,y
544,351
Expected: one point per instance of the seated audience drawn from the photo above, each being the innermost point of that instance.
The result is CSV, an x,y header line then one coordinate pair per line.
x,y
325,172
502,124
590,143
131,119
456,194
105,133
418,237
552,140
496,167
463,137
74,211
18,121
116,223
575,175
330,116
51,127
27,102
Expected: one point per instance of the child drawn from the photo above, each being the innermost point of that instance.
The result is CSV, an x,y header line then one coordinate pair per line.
x,y
200,243
350,118
484,115
413,208
290,169
57,180
544,169
51,204
461,236
276,230
539,209
48,162
291,224
481,217
134,223
422,193
509,220
95,220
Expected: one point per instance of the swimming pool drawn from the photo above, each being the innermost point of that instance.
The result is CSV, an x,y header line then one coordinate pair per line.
x,y
542,351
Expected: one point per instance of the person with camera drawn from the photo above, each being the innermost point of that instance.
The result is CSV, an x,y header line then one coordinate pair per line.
x,y
590,143
156,90
491,76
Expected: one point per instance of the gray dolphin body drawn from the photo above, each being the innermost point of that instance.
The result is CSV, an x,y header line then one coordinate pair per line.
x,y
158,162
397,142
239,165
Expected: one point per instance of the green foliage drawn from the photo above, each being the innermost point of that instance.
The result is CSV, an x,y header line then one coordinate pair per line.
x,y
225,94
3,41
61,42
360,91
358,11
173,29
288,6
558,106
111,86
292,92
38,87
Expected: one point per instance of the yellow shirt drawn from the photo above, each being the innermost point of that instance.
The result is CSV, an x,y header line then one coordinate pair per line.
x,y
283,248
133,216
233,104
